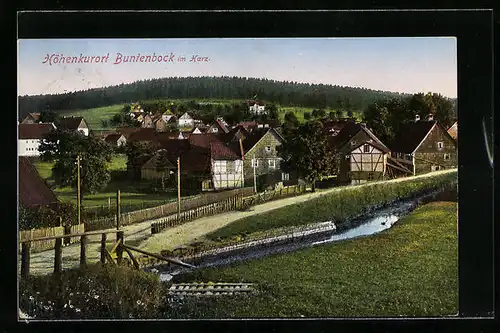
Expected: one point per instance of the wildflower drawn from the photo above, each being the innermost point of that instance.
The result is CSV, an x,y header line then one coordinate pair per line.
x,y
77,310
71,294
32,298
96,296
138,302
71,306
65,305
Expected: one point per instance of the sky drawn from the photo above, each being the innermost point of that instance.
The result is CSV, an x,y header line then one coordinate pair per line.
x,y
406,65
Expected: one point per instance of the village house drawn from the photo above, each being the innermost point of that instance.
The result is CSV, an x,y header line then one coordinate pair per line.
x,y
219,126
73,124
424,146
453,131
226,161
256,107
117,140
185,121
199,130
31,118
30,137
147,121
163,122
33,191
361,156
150,170
261,159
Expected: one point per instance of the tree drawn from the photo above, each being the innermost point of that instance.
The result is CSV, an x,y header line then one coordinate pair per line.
x,y
48,116
339,113
307,115
64,147
332,115
272,110
306,151
138,153
162,162
318,113
350,113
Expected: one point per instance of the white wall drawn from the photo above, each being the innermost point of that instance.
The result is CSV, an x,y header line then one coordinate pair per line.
x,y
28,147
223,177
361,161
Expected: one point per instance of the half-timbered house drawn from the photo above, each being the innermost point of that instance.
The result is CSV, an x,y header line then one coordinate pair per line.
x,y
361,156
424,146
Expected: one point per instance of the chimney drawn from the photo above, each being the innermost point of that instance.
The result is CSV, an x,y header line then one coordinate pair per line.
x,y
430,117
417,117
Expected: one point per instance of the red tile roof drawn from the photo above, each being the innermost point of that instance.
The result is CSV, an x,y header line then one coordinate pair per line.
x,y
34,131
32,189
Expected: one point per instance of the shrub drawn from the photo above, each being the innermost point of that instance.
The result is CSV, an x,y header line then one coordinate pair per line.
x,y
97,292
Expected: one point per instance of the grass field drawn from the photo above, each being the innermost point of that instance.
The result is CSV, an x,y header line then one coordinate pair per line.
x,y
408,270
94,116
128,192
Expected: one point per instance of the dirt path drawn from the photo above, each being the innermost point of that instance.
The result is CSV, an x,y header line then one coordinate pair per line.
x,y
140,233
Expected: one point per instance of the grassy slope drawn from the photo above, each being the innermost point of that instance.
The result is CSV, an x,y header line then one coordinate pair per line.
x,y
94,116
128,195
408,270
338,206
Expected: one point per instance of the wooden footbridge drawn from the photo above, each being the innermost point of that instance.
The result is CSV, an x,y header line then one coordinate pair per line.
x,y
114,257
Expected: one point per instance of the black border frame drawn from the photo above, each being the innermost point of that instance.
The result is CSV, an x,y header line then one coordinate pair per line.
x,y
474,32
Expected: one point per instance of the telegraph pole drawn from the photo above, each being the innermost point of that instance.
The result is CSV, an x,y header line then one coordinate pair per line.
x,y
78,188
254,176
179,187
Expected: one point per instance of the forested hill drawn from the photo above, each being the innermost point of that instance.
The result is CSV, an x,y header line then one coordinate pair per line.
x,y
280,92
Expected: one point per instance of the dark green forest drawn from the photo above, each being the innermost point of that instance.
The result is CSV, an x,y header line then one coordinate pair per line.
x,y
284,93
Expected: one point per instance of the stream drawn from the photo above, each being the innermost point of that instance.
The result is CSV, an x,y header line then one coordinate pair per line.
x,y
379,219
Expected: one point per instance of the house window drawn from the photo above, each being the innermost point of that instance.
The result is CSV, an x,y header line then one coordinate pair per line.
x,y
255,163
440,145
272,164
366,148
435,167
353,142
446,157
370,176
268,149
215,130
285,176
347,157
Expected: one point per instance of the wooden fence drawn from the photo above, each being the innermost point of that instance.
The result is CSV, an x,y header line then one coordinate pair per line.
x,y
165,210
259,198
234,203
27,235
227,205
118,250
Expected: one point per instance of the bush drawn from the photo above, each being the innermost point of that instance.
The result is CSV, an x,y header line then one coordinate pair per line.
x,y
46,217
97,292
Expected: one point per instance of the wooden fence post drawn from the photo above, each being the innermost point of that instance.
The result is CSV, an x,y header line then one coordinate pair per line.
x,y
58,256
83,253
119,249
103,248
25,259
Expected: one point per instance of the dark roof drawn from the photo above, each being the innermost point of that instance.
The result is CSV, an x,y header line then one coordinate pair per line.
x,y
196,159
253,137
113,137
127,131
221,125
69,123
175,146
32,189
32,115
348,131
143,134
151,163
225,151
34,131
204,140
410,135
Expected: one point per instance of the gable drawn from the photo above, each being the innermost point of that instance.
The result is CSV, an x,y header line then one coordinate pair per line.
x,y
270,136
435,135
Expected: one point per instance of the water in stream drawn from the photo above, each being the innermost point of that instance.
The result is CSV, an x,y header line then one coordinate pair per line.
x,y
376,222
